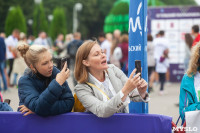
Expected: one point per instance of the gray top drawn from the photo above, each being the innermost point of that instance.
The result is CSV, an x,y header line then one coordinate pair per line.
x,y
92,98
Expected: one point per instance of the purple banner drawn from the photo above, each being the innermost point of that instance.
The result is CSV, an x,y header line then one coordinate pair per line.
x,y
14,122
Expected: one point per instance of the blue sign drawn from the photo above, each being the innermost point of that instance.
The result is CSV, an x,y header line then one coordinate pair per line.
x,y
138,45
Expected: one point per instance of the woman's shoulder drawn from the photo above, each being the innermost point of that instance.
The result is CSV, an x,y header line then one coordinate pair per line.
x,y
25,80
80,85
187,77
187,80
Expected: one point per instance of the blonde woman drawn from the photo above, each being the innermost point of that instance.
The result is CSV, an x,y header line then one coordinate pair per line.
x,y
43,89
189,99
104,89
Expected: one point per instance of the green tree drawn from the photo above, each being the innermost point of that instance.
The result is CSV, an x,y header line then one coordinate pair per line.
x,y
91,17
15,20
40,22
58,24
6,4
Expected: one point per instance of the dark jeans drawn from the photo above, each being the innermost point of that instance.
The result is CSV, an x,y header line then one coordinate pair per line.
x,y
162,79
10,61
3,75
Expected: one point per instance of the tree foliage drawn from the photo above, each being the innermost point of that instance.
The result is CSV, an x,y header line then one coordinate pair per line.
x,y
58,24
6,4
91,17
40,22
15,20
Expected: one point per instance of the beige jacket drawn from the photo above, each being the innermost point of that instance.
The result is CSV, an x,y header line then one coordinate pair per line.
x,y
92,98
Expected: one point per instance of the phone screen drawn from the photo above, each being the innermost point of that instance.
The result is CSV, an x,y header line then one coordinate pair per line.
x,y
63,61
138,67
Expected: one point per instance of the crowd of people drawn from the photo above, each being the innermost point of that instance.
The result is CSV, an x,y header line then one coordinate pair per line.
x,y
42,87
100,69
158,67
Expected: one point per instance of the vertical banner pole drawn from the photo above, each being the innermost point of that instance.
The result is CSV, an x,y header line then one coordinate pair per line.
x,y
138,45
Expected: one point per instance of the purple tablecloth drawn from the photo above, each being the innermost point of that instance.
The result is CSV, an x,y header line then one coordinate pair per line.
x,y
14,122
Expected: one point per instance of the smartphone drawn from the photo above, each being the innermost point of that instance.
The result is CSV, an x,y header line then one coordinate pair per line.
x,y
138,67
63,61
7,101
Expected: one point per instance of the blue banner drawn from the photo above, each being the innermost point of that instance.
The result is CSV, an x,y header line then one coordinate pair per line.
x,y
138,45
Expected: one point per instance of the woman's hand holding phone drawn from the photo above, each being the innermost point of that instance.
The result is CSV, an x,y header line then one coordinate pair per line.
x,y
63,75
142,88
131,84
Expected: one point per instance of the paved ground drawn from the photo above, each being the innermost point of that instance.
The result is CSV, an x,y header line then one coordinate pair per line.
x,y
165,105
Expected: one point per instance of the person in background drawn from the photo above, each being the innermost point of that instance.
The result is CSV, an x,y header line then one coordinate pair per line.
x,y
151,61
109,37
195,34
104,89
68,38
31,39
19,65
43,89
115,54
3,35
116,37
11,44
64,53
72,49
188,46
157,36
59,40
2,63
124,47
58,44
58,49
105,45
42,40
189,99
162,61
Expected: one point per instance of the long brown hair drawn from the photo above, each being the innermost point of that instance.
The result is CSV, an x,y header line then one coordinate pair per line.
x,y
80,70
193,65
188,40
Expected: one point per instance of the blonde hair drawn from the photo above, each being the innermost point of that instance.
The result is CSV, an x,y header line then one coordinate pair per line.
x,y
31,54
80,70
193,65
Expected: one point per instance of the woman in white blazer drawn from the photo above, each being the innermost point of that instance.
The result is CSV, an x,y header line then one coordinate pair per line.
x,y
104,89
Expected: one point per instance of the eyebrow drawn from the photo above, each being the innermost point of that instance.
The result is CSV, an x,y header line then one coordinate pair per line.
x,y
47,60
